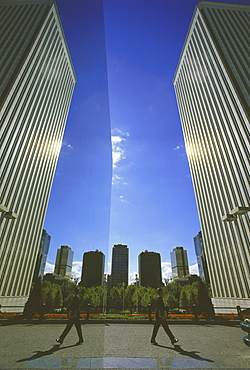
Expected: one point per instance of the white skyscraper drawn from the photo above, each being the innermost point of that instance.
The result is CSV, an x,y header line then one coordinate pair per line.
x,y
212,89
37,83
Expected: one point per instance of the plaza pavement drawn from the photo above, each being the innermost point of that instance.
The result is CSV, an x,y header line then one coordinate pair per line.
x,y
122,346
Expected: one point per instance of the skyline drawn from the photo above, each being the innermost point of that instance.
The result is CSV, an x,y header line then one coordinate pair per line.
x,y
152,204
166,268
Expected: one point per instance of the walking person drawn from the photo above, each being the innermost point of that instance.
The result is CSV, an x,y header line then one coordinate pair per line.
x,y
161,319
74,319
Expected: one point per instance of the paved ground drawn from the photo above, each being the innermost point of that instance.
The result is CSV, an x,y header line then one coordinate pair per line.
x,y
123,346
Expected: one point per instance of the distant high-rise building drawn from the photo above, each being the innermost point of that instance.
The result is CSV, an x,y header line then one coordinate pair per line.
x,y
42,255
150,269
92,269
108,283
37,83
119,269
201,257
212,89
179,262
64,259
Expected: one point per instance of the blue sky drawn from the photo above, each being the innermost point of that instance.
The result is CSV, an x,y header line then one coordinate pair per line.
x,y
125,54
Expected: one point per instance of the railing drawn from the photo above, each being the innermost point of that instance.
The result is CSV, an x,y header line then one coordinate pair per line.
x,y
245,326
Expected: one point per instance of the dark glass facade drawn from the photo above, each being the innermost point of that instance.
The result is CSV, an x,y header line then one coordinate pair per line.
x,y
92,269
179,262
201,258
64,259
150,269
119,270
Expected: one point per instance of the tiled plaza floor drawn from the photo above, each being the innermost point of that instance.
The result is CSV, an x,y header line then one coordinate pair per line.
x,y
123,346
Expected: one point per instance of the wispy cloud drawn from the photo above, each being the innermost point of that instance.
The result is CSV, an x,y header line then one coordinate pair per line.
x,y
118,138
76,269
118,141
116,179
166,270
180,149
66,145
132,277
117,150
193,269
49,268
117,131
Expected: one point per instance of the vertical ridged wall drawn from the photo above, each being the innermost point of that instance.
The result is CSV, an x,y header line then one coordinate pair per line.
x,y
212,90
37,82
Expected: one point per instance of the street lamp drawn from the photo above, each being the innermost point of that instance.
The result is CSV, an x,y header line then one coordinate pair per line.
x,y
10,215
104,301
232,216
136,284
228,217
3,208
237,211
6,213
123,284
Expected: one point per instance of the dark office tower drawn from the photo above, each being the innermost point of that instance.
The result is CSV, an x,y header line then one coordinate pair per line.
x,y
150,269
64,259
212,90
42,255
179,262
92,269
119,269
201,257
37,82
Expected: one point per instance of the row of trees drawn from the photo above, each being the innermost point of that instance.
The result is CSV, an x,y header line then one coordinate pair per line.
x,y
98,299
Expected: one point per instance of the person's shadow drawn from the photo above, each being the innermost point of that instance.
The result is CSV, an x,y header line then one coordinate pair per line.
x,y
192,354
39,354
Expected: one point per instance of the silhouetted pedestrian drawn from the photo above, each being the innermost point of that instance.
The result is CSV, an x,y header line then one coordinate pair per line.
x,y
161,319
74,319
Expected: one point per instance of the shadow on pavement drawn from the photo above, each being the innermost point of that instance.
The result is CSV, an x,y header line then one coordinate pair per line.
x,y
39,354
192,354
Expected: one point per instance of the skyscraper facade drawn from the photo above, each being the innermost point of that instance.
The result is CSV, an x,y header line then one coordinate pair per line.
x,y
201,257
150,274
64,260
119,268
42,256
212,89
37,83
92,269
179,262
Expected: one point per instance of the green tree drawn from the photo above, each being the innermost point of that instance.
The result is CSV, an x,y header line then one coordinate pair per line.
x,y
96,296
67,292
51,296
146,296
115,297
184,297
83,297
130,297
58,297
170,300
175,289
204,303
49,302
